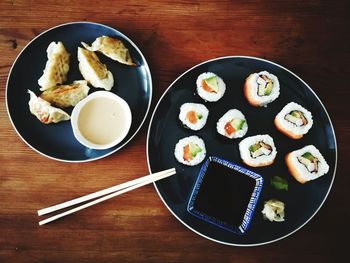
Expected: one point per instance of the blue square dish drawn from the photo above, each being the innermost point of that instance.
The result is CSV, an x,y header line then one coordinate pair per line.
x,y
225,195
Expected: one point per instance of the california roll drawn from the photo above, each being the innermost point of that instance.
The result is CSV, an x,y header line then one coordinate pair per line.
x,y
306,164
294,120
261,88
257,151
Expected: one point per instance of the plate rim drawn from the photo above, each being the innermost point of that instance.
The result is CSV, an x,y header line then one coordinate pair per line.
x,y
148,72
196,231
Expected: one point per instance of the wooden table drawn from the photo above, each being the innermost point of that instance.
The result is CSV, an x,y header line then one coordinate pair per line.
x,y
309,37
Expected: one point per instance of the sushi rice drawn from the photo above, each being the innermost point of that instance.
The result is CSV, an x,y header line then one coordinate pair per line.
x,y
291,129
301,168
210,96
200,152
228,117
261,157
251,91
200,113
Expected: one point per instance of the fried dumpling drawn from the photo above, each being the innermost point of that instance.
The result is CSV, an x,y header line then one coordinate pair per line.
x,y
93,70
64,96
57,66
44,111
112,48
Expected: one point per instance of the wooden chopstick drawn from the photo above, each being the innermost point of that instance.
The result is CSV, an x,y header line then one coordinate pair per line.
x,y
100,193
109,193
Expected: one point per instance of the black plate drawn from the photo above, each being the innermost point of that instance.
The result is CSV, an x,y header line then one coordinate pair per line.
x,y
133,84
302,201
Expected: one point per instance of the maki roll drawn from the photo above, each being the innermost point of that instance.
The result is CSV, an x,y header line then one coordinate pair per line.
x,y
294,120
306,164
261,88
210,86
232,124
190,150
193,115
257,151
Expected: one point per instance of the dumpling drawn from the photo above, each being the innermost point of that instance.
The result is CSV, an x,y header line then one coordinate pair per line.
x,y
112,48
44,111
57,66
64,96
93,70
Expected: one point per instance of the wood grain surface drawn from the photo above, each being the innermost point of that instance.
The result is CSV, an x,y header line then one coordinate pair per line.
x,y
311,38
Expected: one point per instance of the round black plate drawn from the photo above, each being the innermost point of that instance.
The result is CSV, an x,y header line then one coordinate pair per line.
x,y
133,84
302,201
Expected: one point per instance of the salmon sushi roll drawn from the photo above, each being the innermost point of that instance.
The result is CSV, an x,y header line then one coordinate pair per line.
x,y
232,124
190,150
210,87
193,115
261,88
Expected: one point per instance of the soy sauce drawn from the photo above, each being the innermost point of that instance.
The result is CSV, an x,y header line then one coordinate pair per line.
x,y
224,194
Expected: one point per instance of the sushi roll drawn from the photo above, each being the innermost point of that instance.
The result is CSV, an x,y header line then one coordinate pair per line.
x,y
306,164
257,151
210,86
193,115
294,120
190,150
261,88
232,124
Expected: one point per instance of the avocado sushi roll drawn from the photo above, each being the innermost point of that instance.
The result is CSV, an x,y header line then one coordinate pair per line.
x,y
306,164
190,150
294,120
193,115
210,86
232,124
257,151
261,88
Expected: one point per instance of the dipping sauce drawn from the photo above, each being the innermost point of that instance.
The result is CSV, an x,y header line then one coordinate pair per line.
x,y
102,120
225,195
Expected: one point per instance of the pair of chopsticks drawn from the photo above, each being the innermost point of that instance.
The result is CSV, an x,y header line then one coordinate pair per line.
x,y
106,194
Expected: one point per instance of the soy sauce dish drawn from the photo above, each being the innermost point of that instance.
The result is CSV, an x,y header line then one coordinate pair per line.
x,y
217,196
101,120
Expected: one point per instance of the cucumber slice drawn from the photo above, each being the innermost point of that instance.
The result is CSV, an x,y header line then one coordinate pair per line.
x,y
199,116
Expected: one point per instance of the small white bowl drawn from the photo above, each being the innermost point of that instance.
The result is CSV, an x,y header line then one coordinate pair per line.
x,y
101,120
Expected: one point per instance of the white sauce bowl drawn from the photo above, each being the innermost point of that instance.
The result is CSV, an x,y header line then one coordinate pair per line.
x,y
101,120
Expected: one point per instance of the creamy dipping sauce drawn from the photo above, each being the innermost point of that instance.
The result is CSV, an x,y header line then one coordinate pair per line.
x,y
102,120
